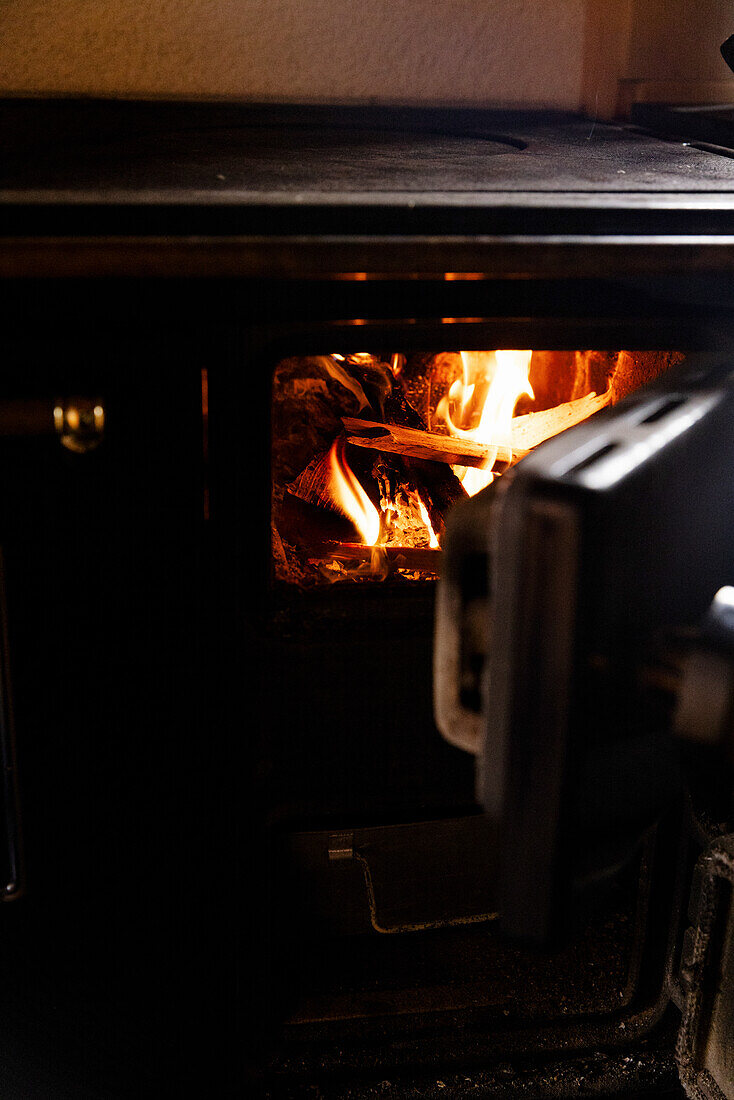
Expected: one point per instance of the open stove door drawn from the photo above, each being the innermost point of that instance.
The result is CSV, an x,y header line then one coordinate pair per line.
x,y
604,540
704,714
705,1050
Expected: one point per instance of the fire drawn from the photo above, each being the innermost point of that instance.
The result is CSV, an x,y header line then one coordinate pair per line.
x,y
480,406
350,497
402,519
433,542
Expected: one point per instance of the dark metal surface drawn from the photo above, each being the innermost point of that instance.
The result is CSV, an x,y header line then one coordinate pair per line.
x,y
710,124
380,257
210,150
102,167
152,170
705,1052
110,1001
624,1075
393,879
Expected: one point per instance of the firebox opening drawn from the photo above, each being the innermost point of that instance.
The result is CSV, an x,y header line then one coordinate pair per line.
x,y
370,450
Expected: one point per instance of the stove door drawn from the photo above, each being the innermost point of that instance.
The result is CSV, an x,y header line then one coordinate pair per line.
x,y
603,541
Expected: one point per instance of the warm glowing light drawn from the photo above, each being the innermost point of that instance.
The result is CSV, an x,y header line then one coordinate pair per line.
x,y
480,406
433,541
350,498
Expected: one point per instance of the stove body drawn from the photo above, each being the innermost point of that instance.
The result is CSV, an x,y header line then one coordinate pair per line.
x,y
233,795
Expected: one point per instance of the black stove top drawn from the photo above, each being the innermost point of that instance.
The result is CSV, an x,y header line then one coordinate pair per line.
x,y
90,187
108,150
279,168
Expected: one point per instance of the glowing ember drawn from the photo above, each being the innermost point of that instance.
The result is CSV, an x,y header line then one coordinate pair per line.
x,y
480,406
350,497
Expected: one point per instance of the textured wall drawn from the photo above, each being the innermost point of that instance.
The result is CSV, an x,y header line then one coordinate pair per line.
x,y
680,39
499,51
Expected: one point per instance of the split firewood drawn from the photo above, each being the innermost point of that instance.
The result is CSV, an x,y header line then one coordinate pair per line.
x,y
413,443
535,427
312,484
315,483
527,432
304,523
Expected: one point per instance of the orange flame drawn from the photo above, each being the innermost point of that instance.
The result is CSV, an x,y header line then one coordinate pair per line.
x,y
432,540
350,498
492,384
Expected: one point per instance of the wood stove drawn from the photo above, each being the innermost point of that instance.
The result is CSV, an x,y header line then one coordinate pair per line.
x,y
262,812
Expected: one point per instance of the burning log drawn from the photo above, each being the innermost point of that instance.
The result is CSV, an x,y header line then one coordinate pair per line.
x,y
414,443
305,524
439,486
405,486
313,483
527,432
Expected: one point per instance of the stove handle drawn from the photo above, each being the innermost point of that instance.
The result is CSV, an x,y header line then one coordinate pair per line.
x,y
78,422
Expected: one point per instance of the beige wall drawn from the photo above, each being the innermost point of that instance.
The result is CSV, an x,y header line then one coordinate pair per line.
x,y
674,52
679,39
556,53
477,51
